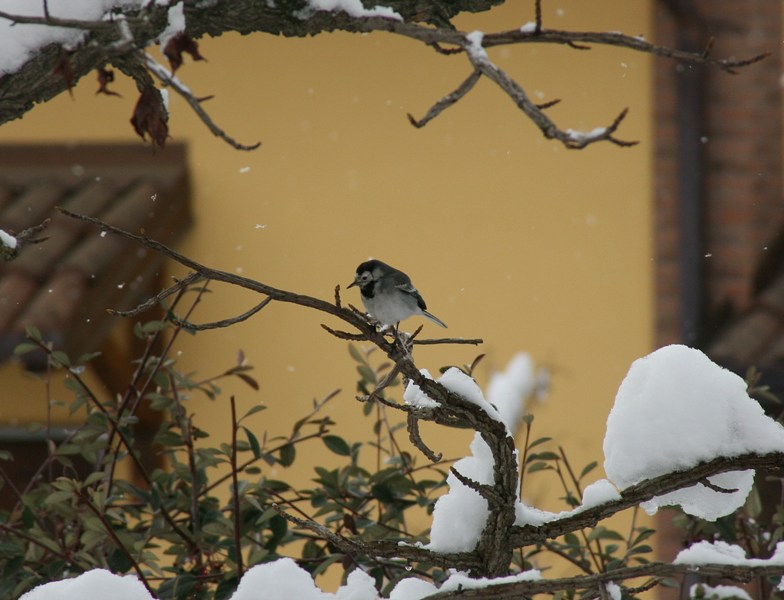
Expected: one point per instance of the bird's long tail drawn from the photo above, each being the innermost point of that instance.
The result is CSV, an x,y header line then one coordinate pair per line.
x,y
434,318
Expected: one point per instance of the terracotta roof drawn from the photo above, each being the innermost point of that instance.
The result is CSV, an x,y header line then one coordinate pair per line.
x,y
64,285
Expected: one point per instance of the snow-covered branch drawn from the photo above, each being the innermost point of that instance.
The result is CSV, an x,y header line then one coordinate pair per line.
x,y
644,491
45,54
11,245
491,475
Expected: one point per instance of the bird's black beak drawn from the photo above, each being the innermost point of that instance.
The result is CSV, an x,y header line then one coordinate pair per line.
x,y
352,284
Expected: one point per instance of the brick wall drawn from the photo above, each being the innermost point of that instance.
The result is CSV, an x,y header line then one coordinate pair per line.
x,y
738,165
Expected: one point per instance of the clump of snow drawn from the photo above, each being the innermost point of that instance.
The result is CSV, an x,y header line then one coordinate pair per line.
x,y
722,553
474,48
464,386
414,396
352,8
412,588
455,381
460,515
599,492
19,42
359,586
586,136
98,583
459,580
675,409
529,27
614,590
529,515
595,494
175,24
7,240
283,578
416,589
508,390
718,592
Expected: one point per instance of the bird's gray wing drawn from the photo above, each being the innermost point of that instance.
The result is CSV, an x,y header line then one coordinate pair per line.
x,y
409,288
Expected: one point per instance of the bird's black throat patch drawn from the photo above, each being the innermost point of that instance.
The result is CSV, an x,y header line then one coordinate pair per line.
x,y
368,289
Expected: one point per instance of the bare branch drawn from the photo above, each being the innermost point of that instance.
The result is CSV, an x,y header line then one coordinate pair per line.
x,y
412,425
218,324
520,589
433,341
428,23
644,491
447,100
179,284
23,238
344,335
169,80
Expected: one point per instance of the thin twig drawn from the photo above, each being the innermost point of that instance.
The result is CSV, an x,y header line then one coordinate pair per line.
x,y
412,425
217,324
178,285
434,341
446,101
170,80
186,426
344,335
236,490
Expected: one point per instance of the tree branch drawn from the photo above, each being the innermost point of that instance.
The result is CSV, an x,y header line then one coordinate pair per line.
x,y
121,41
644,491
501,536
523,589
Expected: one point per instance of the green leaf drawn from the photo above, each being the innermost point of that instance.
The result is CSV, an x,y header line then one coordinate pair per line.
x,y
644,534
539,466
287,455
542,456
87,357
356,354
153,326
538,441
337,444
94,477
253,442
24,348
324,564
57,497
33,333
61,359
587,469
602,533
366,373
253,410
249,380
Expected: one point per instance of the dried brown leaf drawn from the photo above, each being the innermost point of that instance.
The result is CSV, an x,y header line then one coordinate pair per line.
x,y
150,117
178,44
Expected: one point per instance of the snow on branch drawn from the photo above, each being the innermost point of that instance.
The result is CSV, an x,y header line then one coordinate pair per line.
x,y
43,52
484,494
11,245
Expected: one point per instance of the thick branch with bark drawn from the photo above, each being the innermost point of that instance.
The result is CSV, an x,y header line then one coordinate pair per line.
x,y
492,556
121,41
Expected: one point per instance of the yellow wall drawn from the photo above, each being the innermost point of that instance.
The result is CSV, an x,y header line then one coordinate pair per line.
x,y
508,236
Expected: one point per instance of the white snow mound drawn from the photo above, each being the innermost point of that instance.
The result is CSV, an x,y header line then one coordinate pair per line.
x,y
675,409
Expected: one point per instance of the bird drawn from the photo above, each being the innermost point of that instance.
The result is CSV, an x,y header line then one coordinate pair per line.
x,y
388,294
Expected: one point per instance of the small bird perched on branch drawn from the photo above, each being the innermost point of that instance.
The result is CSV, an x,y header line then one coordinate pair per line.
x,y
388,294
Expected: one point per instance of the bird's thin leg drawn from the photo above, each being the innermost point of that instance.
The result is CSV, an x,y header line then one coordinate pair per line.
x,y
401,339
